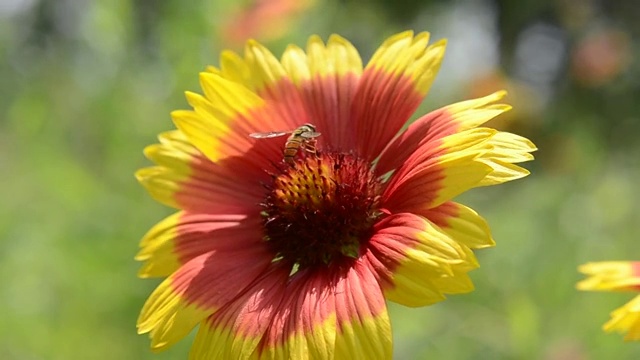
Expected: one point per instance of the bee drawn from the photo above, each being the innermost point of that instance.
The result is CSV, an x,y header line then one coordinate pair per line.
x,y
300,138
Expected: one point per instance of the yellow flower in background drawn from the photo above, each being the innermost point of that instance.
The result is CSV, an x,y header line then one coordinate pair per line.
x,y
616,276
296,259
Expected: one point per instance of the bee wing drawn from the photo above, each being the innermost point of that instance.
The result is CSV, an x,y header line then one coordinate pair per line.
x,y
268,135
310,134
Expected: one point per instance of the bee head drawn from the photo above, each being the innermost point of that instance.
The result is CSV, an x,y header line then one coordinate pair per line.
x,y
308,127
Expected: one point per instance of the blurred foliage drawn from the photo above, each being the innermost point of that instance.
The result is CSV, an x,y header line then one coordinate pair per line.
x,y
87,84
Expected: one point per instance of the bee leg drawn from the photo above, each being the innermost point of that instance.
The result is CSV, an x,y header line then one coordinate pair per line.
x,y
310,147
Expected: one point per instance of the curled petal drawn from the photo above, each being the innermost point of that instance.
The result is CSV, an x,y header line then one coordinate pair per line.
x,y
427,131
473,142
436,172
502,172
506,149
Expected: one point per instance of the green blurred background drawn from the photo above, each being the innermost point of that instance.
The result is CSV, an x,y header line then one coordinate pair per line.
x,y
85,85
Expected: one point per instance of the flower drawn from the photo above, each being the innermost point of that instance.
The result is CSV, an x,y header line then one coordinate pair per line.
x,y
616,276
600,57
266,19
295,259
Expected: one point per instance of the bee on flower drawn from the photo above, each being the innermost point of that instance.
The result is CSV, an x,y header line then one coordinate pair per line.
x,y
294,255
302,138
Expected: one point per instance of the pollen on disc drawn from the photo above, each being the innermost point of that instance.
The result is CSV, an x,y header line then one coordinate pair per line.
x,y
321,209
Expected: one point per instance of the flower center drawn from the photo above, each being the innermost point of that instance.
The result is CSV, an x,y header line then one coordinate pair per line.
x,y
321,209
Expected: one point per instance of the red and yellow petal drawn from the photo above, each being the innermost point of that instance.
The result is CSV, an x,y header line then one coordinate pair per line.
x,y
261,72
277,318
428,131
472,142
304,326
235,331
266,70
327,77
505,150
626,319
186,179
461,223
391,87
408,55
472,113
273,84
616,276
183,236
234,68
334,314
364,329
217,119
431,186
611,276
199,288
438,171
221,121
221,272
337,58
499,150
416,262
